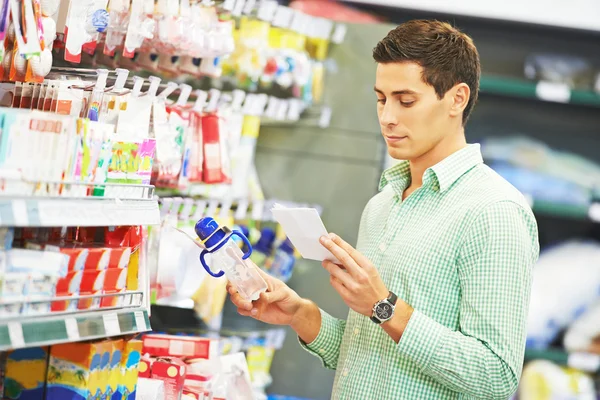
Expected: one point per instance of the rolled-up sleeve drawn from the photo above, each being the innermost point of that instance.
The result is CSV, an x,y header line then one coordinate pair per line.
x,y
484,357
327,344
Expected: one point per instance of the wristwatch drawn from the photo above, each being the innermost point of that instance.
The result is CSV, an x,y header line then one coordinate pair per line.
x,y
384,310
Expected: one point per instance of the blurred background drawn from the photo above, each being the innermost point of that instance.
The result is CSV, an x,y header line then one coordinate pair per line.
x,y
285,88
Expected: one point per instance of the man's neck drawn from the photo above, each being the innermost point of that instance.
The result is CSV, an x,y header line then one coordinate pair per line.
x,y
444,149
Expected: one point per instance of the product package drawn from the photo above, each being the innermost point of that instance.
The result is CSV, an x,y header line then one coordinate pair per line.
x,y
25,373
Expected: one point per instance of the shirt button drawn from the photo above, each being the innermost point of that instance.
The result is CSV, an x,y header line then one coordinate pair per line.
x,y
345,373
356,331
382,247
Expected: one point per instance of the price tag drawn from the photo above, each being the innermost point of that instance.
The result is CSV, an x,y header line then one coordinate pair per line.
x,y
200,207
140,321
111,324
228,5
339,33
225,208
72,329
267,9
212,208
283,17
550,91
15,332
258,210
594,212
272,106
238,99
295,108
213,100
238,8
260,104
249,7
584,361
325,119
20,212
282,110
241,210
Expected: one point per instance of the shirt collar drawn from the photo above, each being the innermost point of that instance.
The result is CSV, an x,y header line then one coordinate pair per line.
x,y
447,171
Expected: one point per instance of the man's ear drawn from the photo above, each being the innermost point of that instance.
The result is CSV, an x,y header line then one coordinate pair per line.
x,y
460,98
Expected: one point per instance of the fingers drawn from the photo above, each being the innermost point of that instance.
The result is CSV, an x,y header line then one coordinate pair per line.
x,y
339,287
356,255
238,300
339,273
342,255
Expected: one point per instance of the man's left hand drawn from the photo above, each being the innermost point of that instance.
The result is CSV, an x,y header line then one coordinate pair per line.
x,y
356,279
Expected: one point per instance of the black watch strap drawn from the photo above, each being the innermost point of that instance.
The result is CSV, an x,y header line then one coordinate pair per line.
x,y
392,299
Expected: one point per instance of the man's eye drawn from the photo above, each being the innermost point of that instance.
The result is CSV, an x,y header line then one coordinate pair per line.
x,y
381,101
407,103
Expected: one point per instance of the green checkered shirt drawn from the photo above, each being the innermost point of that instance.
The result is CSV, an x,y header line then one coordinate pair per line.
x,y
460,251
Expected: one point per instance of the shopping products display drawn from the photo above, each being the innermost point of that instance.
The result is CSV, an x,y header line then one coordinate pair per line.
x,y
175,252
86,268
104,369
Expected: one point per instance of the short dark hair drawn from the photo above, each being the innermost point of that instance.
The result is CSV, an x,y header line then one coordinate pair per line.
x,y
447,55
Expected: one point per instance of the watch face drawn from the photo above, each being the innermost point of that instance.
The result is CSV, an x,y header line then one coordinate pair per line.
x,y
383,311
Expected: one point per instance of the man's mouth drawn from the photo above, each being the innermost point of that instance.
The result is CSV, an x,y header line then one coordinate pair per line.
x,y
394,139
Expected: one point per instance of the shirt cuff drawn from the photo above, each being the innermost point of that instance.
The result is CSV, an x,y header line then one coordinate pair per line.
x,y
421,339
326,344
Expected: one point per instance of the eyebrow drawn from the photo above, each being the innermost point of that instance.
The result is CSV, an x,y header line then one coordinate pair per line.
x,y
397,92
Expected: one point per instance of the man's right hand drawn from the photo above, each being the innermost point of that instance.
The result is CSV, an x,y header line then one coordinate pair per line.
x,y
280,305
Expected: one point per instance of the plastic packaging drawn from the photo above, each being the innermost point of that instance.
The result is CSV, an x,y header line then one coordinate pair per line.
x,y
229,259
283,262
263,248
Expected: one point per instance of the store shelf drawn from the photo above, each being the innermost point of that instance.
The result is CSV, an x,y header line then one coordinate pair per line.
x,y
90,211
582,361
53,329
544,91
581,212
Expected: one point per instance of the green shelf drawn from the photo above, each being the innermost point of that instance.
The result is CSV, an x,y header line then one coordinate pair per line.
x,y
51,329
586,362
561,210
543,91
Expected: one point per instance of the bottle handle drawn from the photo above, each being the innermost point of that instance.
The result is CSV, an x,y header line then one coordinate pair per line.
x,y
246,242
205,252
207,268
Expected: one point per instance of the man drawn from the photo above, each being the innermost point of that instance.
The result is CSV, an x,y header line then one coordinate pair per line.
x,y
439,284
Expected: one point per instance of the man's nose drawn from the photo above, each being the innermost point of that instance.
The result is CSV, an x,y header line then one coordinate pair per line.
x,y
388,117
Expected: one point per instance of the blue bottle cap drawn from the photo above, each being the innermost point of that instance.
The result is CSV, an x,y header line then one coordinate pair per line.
x,y
206,227
287,246
244,229
265,243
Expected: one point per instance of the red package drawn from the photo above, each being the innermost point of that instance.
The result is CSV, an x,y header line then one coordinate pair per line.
x,y
112,301
98,258
119,257
117,236
92,283
67,286
212,169
180,346
115,279
196,148
172,372
145,367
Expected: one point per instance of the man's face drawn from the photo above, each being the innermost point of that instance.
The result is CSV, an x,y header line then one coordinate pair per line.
x,y
413,120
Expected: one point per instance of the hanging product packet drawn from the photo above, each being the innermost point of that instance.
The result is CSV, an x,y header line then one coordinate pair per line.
x,y
115,100
169,141
179,119
196,141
